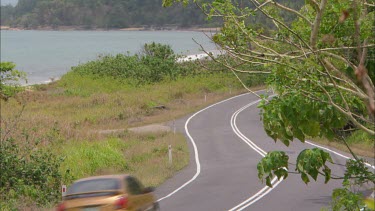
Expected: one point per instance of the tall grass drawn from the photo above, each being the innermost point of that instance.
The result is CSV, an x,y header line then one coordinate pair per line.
x,y
143,155
83,158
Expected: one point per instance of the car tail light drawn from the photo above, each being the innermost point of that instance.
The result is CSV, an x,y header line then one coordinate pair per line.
x,y
60,207
121,203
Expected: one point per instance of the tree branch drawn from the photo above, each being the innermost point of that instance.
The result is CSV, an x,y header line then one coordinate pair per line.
x,y
292,11
316,25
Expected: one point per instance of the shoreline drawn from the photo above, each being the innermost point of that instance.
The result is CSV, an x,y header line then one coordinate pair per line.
x,y
186,58
77,28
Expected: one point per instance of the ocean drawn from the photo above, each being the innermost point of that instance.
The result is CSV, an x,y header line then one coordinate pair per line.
x,y
47,55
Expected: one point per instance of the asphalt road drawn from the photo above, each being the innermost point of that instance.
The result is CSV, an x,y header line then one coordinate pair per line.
x,y
226,143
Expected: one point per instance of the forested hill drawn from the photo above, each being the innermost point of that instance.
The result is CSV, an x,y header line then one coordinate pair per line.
x,y
99,14
107,14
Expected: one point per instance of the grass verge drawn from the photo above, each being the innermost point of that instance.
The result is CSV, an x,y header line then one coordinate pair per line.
x,y
142,155
360,143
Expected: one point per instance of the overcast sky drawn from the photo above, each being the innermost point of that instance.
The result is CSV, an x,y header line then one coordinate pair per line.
x,y
6,2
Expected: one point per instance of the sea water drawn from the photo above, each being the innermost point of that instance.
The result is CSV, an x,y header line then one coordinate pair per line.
x,y
47,55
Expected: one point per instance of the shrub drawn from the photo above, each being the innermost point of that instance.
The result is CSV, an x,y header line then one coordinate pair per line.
x,y
29,174
8,80
156,63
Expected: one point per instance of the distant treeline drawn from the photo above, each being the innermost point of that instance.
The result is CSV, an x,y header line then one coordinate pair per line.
x,y
107,14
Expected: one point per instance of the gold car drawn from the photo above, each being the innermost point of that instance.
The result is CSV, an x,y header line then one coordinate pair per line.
x,y
112,192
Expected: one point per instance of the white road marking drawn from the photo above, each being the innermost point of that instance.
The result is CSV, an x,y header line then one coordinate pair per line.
x,y
196,155
264,191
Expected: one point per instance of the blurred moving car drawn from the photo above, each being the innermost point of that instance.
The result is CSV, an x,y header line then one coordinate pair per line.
x,y
112,192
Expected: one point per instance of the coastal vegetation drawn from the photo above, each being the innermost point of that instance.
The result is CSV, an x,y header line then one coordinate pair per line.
x,y
52,134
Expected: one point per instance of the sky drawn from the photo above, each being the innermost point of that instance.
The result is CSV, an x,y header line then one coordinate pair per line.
x,y
6,2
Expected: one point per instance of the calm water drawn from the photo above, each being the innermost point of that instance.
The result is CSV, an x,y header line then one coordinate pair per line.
x,y
50,54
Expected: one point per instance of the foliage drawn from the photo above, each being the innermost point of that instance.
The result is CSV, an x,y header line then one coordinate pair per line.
x,y
8,80
274,163
318,64
29,173
158,62
161,60
310,161
294,116
356,174
345,199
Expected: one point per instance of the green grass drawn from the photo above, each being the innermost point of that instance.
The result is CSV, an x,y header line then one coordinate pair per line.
x,y
84,158
360,142
143,155
360,137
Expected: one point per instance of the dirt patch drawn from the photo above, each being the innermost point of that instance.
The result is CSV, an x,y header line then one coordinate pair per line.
x,y
150,128
153,128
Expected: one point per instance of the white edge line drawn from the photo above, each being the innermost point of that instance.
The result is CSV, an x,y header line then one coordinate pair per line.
x,y
261,196
241,135
195,147
265,190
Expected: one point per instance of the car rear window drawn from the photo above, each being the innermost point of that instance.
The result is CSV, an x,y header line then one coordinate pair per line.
x,y
94,185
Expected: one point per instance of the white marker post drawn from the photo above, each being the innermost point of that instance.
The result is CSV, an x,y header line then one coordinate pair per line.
x,y
63,190
174,126
170,154
205,97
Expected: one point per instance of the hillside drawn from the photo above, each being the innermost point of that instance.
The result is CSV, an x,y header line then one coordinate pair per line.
x,y
100,14
108,14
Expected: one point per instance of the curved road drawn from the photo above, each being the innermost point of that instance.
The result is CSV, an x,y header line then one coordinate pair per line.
x,y
227,140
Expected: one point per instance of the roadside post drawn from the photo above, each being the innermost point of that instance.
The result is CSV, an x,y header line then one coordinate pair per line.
x,y
63,190
174,127
170,154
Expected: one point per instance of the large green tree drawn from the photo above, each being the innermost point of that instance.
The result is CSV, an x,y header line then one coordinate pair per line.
x,y
317,57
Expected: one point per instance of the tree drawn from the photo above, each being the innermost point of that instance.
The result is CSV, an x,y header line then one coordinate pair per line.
x,y
9,78
316,58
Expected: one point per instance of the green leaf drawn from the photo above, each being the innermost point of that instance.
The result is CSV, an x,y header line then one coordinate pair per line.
x,y
312,129
268,182
314,173
274,163
285,141
298,134
305,178
327,174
